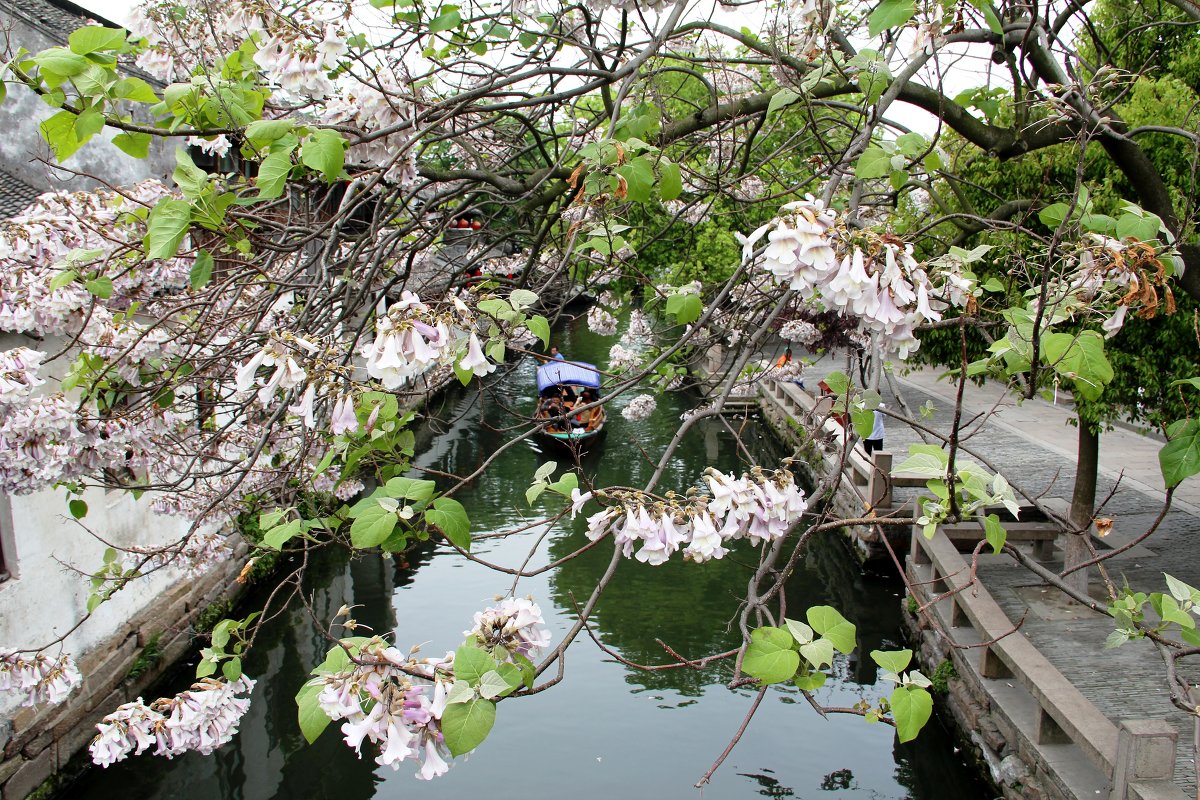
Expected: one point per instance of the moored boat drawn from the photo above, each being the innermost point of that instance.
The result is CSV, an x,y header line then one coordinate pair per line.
x,y
564,389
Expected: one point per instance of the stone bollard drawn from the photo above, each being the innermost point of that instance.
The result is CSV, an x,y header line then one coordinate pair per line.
x,y
1145,752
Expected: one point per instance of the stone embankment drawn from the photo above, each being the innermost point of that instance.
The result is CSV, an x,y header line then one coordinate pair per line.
x,y
1047,710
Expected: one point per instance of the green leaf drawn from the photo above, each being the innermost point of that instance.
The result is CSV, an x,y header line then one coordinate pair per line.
x,y
1053,215
220,633
782,99
802,633
993,285
911,709
94,38
568,483
811,682
308,711
410,489
372,528
466,725
133,144
61,61
670,181
190,178
78,508
540,328
894,661
136,90
1080,358
534,492
1143,229
989,16
493,685
890,14
167,226
471,663
324,151
202,270
62,279
88,124
928,461
265,131
449,516
232,669
995,533
826,621
818,653
770,656
275,168
59,133
101,287
873,163
639,179
445,22
278,536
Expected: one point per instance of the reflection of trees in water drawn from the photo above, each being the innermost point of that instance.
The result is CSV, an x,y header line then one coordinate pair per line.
x,y
269,759
838,779
770,785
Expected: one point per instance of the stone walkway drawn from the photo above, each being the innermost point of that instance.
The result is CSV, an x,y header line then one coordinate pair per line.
x,y
1034,446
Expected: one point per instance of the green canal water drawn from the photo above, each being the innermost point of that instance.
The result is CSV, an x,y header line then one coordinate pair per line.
x,y
608,730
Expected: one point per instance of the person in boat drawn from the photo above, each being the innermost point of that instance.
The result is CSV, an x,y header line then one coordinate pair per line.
x,y
555,355
555,412
583,419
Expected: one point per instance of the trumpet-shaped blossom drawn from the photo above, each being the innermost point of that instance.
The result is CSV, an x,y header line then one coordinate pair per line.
x,y
202,718
38,678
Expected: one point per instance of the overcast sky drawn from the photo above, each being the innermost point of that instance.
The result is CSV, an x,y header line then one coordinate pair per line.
x,y
958,72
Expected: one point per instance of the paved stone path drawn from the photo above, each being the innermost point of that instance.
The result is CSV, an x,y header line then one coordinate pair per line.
x,y
1034,446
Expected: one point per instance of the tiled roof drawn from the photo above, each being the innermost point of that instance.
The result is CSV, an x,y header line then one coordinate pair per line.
x,y
59,17
15,195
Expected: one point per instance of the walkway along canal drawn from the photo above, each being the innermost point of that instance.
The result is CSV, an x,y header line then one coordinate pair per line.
x,y
607,730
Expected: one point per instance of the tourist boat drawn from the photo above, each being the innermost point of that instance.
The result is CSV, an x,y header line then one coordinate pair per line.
x,y
558,425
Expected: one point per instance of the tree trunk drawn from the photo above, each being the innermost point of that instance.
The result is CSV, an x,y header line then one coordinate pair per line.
x,y
1083,503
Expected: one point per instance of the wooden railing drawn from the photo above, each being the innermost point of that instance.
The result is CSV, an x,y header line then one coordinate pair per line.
x,y
871,474
1137,758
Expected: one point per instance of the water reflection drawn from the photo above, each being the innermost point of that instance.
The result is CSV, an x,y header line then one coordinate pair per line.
x,y
608,730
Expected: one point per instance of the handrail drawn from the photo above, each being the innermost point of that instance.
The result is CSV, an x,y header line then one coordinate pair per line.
x,y
1064,713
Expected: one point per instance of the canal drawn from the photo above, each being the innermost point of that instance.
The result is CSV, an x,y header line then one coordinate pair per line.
x,y
608,730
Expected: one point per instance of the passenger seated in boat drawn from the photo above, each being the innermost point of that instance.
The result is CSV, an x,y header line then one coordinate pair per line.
x,y
555,412
584,419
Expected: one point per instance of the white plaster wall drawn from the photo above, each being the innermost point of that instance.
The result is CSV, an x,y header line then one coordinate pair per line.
x,y
22,145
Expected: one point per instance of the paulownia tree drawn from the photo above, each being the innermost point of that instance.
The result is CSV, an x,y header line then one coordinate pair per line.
x,y
242,341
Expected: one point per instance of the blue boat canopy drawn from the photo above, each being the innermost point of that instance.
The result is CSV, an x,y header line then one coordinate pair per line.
x,y
576,373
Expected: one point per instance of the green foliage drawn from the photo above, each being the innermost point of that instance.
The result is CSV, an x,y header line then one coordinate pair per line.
x,y
230,639
942,675
211,614
147,659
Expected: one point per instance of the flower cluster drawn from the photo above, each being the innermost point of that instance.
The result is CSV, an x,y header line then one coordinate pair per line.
x,y
621,358
410,340
513,626
600,322
202,719
39,678
640,408
800,332
874,279
757,506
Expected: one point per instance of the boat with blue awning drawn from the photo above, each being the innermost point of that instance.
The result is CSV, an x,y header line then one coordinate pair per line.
x,y
566,389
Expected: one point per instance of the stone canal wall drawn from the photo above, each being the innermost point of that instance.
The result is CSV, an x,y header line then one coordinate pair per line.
x,y
40,744
1023,722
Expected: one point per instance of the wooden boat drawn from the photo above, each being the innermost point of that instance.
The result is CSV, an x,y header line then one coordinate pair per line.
x,y
563,386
